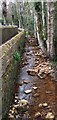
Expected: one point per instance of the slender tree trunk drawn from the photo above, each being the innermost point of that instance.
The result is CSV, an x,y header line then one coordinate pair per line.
x,y
4,21
43,17
19,24
35,26
38,36
50,47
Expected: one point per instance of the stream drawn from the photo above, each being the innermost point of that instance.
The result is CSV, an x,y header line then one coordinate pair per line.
x,y
39,93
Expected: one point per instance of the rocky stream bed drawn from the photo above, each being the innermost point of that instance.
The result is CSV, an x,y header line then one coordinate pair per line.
x,y
35,96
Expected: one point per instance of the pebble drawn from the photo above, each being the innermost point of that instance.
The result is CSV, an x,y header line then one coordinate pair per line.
x,y
11,111
13,108
50,116
50,110
34,88
48,92
23,102
26,81
40,105
16,97
38,114
15,101
49,67
45,104
16,111
28,91
48,107
16,106
11,116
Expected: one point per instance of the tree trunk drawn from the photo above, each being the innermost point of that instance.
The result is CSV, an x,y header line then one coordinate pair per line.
x,y
38,36
50,47
43,17
35,26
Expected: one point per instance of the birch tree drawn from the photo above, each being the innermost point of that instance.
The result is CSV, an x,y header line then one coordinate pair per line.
x,y
50,47
55,30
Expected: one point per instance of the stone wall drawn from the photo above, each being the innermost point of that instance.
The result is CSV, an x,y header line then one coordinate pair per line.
x,y
9,69
7,32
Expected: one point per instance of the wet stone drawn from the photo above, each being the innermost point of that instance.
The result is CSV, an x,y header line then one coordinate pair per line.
x,y
48,107
45,104
16,106
22,106
38,116
11,116
40,105
32,71
16,112
16,97
26,81
28,91
15,101
23,102
34,88
50,116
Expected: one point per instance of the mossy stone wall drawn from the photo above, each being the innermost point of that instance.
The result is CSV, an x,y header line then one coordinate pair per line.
x,y
9,69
